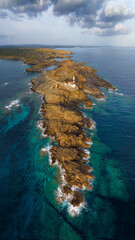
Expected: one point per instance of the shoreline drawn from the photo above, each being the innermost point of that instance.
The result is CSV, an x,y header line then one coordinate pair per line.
x,y
63,121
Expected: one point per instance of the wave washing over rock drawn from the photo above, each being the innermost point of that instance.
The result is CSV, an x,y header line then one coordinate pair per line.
x,y
63,90
64,122
115,92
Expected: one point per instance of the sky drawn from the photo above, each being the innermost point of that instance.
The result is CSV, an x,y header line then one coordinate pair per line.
x,y
67,22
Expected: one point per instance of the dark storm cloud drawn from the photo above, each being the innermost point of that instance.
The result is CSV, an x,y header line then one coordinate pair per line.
x,y
79,7
82,12
61,7
30,7
101,14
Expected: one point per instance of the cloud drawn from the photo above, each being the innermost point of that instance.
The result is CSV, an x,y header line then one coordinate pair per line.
x,y
110,19
3,14
82,12
30,7
106,16
60,7
115,13
118,29
80,8
106,21
63,7
3,36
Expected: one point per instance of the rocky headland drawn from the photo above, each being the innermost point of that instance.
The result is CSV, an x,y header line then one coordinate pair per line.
x,y
64,89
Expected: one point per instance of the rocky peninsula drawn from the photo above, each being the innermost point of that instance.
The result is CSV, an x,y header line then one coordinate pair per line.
x,y
64,89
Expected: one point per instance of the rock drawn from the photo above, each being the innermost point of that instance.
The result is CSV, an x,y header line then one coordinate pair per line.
x,y
62,118
64,121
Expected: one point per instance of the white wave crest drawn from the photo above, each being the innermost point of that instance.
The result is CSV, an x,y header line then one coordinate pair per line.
x,y
14,103
47,150
75,211
40,126
110,90
101,99
119,94
93,126
6,83
115,92
65,198
30,84
89,143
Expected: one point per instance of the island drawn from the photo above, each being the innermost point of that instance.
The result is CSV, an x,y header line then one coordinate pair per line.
x,y
64,89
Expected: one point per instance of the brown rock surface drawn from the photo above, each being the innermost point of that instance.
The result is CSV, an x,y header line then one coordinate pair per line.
x,y
62,118
65,122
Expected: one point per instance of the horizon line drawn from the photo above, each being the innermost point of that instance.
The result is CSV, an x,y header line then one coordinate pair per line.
x,y
59,45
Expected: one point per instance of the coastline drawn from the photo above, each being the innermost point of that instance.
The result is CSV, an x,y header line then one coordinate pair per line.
x,y
64,121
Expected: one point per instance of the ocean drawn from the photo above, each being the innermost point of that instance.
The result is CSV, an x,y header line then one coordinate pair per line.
x,y
28,209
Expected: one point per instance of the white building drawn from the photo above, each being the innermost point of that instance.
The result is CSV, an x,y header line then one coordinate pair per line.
x,y
71,84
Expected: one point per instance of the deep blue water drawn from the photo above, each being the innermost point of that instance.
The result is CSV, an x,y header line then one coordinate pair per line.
x,y
28,209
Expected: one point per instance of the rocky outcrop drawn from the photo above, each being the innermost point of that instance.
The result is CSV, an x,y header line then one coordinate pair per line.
x,y
62,119
64,122
39,58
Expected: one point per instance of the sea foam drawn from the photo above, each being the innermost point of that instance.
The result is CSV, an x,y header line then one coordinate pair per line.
x,y
101,99
6,83
115,92
75,211
119,94
40,126
89,143
14,103
93,126
47,150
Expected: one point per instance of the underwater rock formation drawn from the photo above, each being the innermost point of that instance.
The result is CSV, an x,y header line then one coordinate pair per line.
x,y
64,89
64,122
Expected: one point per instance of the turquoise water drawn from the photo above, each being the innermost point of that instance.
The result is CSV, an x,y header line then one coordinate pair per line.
x,y
28,209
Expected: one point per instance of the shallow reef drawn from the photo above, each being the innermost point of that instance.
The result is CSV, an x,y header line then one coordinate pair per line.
x,y
63,121
64,89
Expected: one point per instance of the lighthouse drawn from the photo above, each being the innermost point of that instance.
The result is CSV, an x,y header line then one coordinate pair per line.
x,y
73,79
71,84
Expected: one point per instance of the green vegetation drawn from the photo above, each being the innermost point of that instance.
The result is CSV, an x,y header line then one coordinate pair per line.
x,y
39,57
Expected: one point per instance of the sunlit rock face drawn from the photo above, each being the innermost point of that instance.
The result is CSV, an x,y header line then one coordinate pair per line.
x,y
64,121
62,118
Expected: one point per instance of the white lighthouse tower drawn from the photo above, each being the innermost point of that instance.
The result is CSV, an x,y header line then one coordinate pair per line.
x,y
73,79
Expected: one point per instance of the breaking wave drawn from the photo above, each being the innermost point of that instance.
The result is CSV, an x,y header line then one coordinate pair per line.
x,y
14,103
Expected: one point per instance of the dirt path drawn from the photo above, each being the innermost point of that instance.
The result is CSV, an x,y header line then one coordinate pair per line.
x,y
58,82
